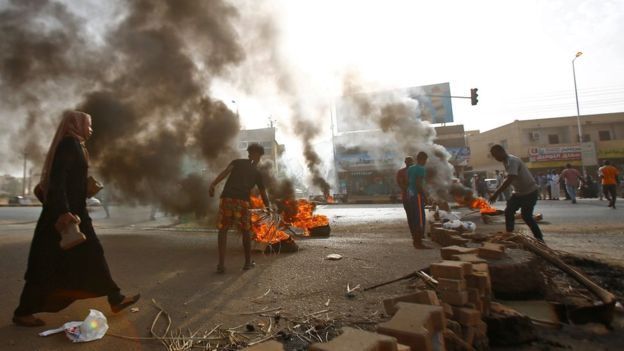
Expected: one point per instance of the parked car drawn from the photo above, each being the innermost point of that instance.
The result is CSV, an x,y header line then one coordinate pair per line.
x,y
19,200
492,185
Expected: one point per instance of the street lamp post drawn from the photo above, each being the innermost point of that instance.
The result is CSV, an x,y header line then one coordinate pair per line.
x,y
578,112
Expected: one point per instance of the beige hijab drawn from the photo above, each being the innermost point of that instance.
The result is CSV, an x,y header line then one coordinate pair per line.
x,y
74,124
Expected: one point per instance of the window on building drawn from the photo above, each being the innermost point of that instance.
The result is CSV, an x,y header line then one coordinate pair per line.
x,y
553,139
604,135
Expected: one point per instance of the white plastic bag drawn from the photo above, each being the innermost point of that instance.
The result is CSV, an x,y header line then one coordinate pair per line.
x,y
94,327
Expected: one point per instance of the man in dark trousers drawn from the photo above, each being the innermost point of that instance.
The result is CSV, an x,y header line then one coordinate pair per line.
x,y
525,192
242,176
416,175
401,179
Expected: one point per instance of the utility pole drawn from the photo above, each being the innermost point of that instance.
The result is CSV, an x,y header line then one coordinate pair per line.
x,y
24,175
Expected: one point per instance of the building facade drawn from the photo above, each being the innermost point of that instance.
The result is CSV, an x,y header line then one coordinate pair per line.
x,y
551,143
366,163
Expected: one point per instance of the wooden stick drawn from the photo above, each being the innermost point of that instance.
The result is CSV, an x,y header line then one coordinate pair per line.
x,y
408,276
550,256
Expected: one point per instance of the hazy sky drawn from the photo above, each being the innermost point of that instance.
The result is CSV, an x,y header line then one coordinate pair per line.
x,y
517,53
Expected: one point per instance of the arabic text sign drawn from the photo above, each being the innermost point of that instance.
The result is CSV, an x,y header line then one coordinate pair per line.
x,y
556,153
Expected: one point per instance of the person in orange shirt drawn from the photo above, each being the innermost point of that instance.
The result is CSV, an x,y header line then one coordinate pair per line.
x,y
609,177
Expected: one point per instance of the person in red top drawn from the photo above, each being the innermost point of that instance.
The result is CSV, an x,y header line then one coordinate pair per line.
x,y
401,179
572,179
609,177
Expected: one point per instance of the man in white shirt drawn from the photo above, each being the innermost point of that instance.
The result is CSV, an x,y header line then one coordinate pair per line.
x,y
525,192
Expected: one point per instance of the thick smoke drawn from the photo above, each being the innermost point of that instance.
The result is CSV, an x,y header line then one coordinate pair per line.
x,y
395,114
145,86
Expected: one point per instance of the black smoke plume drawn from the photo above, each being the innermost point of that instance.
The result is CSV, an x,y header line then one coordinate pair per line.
x,y
146,87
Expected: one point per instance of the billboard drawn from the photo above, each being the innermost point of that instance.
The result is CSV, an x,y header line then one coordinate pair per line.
x,y
434,105
555,153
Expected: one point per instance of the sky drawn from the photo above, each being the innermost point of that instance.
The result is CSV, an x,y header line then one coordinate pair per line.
x,y
517,53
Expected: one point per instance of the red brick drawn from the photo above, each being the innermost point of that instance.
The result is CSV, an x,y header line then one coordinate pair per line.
x,y
270,345
481,281
466,316
457,298
472,258
492,251
425,297
480,267
474,297
355,339
448,252
401,347
482,328
447,237
451,284
448,310
451,269
417,326
468,334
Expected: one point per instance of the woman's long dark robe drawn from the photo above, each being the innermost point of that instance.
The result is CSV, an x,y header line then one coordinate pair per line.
x,y
55,278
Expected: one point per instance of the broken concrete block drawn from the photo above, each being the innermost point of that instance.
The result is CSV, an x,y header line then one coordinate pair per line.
x,y
517,275
451,269
452,284
270,345
355,339
466,316
417,326
492,251
507,327
472,258
457,298
448,252
401,347
425,297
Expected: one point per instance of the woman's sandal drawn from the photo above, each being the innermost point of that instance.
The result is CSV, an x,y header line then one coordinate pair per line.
x,y
127,301
28,321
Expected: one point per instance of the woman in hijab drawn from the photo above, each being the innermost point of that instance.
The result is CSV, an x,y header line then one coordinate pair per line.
x,y
55,277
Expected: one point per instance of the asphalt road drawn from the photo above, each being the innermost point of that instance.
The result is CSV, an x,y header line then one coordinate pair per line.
x,y
175,266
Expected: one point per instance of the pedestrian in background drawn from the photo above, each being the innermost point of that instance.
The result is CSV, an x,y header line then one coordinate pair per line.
x,y
572,179
525,192
242,176
416,190
555,187
55,277
609,179
401,179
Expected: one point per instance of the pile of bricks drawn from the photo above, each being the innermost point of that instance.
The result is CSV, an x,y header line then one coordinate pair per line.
x,y
465,289
447,237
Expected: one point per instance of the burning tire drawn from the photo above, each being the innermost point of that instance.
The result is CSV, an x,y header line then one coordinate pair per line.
x,y
284,246
320,232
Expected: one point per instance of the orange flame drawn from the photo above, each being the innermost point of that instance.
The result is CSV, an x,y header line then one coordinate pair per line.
x,y
264,231
330,199
482,205
300,213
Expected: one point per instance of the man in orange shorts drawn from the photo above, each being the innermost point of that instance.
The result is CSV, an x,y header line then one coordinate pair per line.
x,y
609,179
242,176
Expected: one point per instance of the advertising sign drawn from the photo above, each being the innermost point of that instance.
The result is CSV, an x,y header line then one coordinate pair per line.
x,y
434,105
588,150
555,153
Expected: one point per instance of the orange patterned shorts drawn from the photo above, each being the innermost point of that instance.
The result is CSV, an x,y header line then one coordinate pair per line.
x,y
234,212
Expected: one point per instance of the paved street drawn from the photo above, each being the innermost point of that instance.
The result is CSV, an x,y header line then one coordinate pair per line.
x,y
175,267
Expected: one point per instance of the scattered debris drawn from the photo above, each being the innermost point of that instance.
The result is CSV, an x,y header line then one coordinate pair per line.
x,y
93,328
333,257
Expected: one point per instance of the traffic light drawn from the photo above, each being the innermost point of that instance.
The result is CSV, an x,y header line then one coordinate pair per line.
x,y
473,96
